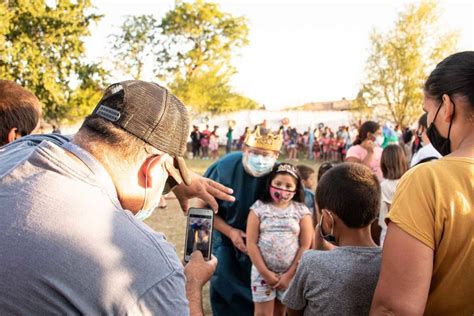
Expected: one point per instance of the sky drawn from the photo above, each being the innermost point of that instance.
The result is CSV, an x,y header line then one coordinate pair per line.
x,y
299,51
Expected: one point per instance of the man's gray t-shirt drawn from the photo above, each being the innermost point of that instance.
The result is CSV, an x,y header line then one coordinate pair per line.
x,y
337,282
66,245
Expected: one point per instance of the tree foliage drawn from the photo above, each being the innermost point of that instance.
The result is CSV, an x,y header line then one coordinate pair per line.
x,y
193,45
210,92
400,61
132,46
196,48
199,36
42,48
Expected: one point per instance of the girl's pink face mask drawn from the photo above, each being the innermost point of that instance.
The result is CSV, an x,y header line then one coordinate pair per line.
x,y
279,195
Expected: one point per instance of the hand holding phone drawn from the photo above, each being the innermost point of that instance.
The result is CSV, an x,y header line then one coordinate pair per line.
x,y
198,271
199,232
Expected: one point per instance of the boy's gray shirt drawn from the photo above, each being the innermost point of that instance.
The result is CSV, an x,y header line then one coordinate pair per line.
x,y
66,245
337,282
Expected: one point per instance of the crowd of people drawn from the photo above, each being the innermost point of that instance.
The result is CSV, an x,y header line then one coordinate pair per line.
x,y
204,141
73,241
422,217
320,144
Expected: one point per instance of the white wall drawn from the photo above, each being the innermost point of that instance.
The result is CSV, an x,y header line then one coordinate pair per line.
x,y
299,119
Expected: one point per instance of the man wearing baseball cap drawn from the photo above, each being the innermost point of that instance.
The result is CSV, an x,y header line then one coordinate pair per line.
x,y
72,239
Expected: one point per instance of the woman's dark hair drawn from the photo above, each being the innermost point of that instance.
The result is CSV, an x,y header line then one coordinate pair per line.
x,y
299,195
453,76
393,162
352,192
368,126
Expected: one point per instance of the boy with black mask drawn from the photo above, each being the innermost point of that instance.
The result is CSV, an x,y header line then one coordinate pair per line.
x,y
340,281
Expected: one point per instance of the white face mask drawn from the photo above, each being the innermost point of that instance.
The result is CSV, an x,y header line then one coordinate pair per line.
x,y
143,214
379,140
258,165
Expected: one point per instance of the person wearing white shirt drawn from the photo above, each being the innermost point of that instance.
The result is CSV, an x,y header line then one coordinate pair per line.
x,y
427,152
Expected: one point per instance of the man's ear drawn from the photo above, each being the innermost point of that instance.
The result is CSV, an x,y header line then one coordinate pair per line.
x,y
448,112
148,168
12,135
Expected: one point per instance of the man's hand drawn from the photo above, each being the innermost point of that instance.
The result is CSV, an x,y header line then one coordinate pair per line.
x,y
204,189
237,236
284,281
198,271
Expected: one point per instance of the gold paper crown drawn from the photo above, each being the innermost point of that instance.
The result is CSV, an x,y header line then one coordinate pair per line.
x,y
268,141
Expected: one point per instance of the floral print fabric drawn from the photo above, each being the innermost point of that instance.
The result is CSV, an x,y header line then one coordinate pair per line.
x,y
278,239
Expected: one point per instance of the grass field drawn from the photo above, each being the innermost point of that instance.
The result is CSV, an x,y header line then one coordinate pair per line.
x,y
171,221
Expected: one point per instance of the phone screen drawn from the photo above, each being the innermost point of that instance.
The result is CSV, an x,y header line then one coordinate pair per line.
x,y
199,233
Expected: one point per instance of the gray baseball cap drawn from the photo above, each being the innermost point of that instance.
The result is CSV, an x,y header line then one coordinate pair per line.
x,y
151,113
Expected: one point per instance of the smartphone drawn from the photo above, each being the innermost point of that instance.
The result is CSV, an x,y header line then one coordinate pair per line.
x,y
199,232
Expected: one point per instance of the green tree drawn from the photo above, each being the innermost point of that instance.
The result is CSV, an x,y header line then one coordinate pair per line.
x,y
196,47
193,46
198,36
210,92
400,61
5,16
132,46
43,50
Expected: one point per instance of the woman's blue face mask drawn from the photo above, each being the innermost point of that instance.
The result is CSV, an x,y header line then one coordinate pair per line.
x,y
258,165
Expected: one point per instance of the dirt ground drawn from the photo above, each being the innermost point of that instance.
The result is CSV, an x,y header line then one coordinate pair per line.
x,y
172,222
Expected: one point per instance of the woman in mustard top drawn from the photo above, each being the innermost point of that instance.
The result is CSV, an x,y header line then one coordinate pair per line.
x,y
428,255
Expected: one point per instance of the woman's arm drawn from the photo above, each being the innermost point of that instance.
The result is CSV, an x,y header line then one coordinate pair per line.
x,y
405,275
253,231
305,237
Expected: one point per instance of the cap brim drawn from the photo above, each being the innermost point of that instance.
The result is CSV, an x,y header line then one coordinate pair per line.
x,y
178,171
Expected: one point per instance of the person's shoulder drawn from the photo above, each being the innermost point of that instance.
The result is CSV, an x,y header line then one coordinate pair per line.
x,y
258,205
341,256
357,251
442,170
300,208
35,140
388,183
355,151
427,151
317,259
225,165
230,159
427,170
